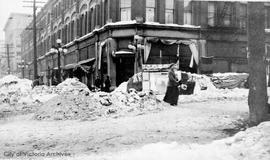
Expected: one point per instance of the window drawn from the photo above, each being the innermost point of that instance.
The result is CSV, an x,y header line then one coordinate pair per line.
x,y
243,16
267,17
211,13
150,10
48,18
169,11
125,10
227,14
105,11
187,12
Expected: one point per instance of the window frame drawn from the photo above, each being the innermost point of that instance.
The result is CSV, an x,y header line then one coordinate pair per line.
x,y
172,10
127,8
213,12
153,7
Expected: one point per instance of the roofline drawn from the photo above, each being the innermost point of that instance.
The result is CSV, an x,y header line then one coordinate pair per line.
x,y
12,15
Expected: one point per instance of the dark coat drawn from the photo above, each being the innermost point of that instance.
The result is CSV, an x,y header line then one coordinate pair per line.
x,y
173,81
172,91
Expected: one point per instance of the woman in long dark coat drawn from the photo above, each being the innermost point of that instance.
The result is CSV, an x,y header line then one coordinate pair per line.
x,y
172,91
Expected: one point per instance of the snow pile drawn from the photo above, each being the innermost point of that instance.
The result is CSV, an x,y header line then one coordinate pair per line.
x,y
11,84
122,87
247,145
229,80
72,85
12,89
205,89
98,104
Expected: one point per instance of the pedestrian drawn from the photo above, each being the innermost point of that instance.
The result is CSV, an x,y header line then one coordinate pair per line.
x,y
172,91
98,83
35,82
107,84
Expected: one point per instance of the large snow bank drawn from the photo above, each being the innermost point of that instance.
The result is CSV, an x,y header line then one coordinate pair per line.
x,y
10,84
98,104
12,89
246,145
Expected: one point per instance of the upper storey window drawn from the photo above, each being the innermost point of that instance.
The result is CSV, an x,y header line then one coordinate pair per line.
x,y
150,10
187,12
169,11
125,10
211,13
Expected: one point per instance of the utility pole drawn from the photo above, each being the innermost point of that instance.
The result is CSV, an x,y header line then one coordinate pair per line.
x,y
35,40
257,98
8,59
34,36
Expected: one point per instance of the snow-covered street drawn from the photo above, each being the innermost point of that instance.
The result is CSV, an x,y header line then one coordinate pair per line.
x,y
70,122
185,124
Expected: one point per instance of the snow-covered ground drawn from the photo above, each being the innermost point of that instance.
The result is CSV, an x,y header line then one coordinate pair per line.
x,y
248,145
186,124
198,128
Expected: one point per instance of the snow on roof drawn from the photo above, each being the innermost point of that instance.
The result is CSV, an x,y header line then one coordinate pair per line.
x,y
172,25
267,30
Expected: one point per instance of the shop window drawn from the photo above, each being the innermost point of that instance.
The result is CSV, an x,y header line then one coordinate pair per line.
x,y
169,11
150,10
211,13
125,10
188,12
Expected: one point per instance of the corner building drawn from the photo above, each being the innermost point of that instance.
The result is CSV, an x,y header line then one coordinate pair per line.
x,y
98,34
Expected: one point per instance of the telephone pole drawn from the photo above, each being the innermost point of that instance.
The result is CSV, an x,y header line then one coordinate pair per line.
x,y
34,35
257,98
8,59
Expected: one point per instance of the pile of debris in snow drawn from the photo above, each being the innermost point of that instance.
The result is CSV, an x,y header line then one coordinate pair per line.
x,y
98,104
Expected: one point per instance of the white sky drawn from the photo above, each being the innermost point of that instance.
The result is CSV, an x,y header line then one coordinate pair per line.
x,y
9,6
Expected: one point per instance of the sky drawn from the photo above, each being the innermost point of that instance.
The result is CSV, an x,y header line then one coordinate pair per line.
x,y
10,6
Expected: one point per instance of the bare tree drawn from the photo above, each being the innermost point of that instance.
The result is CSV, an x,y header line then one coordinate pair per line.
x,y
257,98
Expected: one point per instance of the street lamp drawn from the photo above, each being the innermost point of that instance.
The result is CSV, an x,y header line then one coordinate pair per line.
x,y
135,46
22,66
59,49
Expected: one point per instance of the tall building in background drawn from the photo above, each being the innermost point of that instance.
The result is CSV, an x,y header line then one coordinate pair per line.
x,y
15,24
3,59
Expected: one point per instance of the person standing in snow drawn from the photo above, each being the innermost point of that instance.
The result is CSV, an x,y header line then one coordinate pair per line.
x,y
172,91
107,84
35,82
98,83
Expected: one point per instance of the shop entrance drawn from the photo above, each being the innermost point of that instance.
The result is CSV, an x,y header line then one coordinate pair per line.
x,y
124,69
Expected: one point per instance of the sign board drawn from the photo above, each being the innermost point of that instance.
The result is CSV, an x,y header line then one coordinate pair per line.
x,y
155,81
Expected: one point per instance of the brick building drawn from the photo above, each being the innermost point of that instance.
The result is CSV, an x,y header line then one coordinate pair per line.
x,y
99,35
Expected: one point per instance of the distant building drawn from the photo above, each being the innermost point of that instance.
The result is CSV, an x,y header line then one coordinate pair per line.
x,y
98,35
3,59
15,24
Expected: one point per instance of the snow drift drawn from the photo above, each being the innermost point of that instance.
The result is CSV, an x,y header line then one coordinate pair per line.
x,y
247,145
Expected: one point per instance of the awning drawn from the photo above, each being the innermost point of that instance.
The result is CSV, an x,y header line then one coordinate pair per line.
x,y
122,53
85,63
70,66
84,68
90,61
